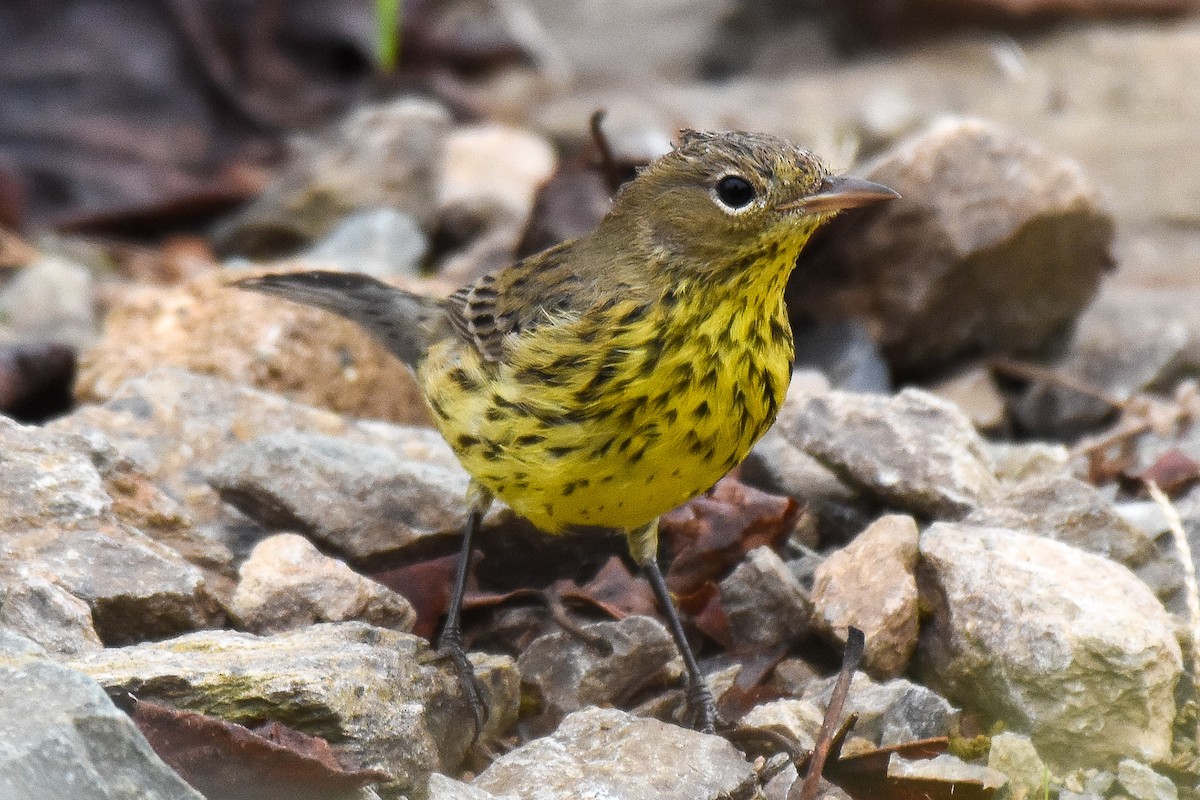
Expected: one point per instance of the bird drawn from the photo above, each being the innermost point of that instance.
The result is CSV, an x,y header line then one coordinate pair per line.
x,y
613,377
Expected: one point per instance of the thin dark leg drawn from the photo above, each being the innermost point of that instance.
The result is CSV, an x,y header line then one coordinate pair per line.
x,y
450,643
699,698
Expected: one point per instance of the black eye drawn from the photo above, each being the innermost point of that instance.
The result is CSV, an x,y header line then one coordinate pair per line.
x,y
735,191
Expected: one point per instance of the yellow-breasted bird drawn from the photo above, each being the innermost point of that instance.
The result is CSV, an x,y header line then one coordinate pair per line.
x,y
611,378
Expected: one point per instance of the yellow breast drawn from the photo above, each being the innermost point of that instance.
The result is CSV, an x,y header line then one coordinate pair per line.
x,y
614,419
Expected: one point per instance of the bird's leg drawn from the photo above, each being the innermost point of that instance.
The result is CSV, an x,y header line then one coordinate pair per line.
x,y
450,643
643,545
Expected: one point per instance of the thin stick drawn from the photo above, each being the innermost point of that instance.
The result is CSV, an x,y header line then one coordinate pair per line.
x,y
855,642
1032,372
1175,525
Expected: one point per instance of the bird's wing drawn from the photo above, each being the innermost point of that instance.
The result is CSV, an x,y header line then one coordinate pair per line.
x,y
516,299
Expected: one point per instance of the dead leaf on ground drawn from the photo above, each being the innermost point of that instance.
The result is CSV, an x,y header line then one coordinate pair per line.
x,y
226,761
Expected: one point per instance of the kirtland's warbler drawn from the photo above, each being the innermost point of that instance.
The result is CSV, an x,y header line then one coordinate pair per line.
x,y
609,379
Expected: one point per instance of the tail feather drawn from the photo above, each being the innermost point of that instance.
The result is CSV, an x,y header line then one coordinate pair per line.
x,y
400,320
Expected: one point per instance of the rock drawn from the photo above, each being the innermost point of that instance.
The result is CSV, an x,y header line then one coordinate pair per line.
x,y
912,451
34,606
1070,511
36,380
767,607
985,215
207,327
56,519
893,712
362,500
490,179
1128,341
871,585
1031,631
562,673
175,425
1014,756
287,583
378,696
63,737
1016,462
380,242
384,155
1142,783
975,391
800,720
50,300
444,788
608,753
947,769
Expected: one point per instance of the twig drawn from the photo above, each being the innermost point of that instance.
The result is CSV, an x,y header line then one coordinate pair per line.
x,y
855,642
1032,372
1184,551
608,162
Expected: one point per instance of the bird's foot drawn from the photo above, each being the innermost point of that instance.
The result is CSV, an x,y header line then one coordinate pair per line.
x,y
702,707
450,646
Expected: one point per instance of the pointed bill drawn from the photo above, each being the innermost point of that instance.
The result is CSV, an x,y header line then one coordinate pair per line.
x,y
840,193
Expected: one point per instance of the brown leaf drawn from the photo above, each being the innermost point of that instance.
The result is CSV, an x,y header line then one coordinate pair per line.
x,y
711,533
614,590
864,776
226,761
1173,471
427,586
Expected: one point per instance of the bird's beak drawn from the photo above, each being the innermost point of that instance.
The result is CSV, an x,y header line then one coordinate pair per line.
x,y
839,193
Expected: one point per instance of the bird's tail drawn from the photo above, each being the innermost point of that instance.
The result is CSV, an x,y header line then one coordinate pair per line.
x,y
402,321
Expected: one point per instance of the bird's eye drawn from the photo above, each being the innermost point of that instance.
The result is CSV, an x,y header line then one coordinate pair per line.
x,y
735,191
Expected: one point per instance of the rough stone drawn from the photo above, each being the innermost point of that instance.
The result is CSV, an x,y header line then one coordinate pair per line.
x,y
1016,462
1014,756
444,788
1070,511
798,719
378,696
997,239
767,607
912,451
287,583
385,155
58,520
33,605
381,242
63,737
608,753
871,585
174,425
360,499
1142,783
975,391
1031,631
892,712
205,326
564,673
50,300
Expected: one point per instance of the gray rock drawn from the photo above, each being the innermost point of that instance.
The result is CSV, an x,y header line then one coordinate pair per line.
x,y
1142,783
1015,757
1016,462
999,241
385,155
767,607
912,451
50,300
58,520
380,242
1070,511
33,605
63,737
358,498
611,754
563,673
871,585
945,768
287,583
975,391
377,695
798,719
892,712
1032,631
444,788
175,425
1128,341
